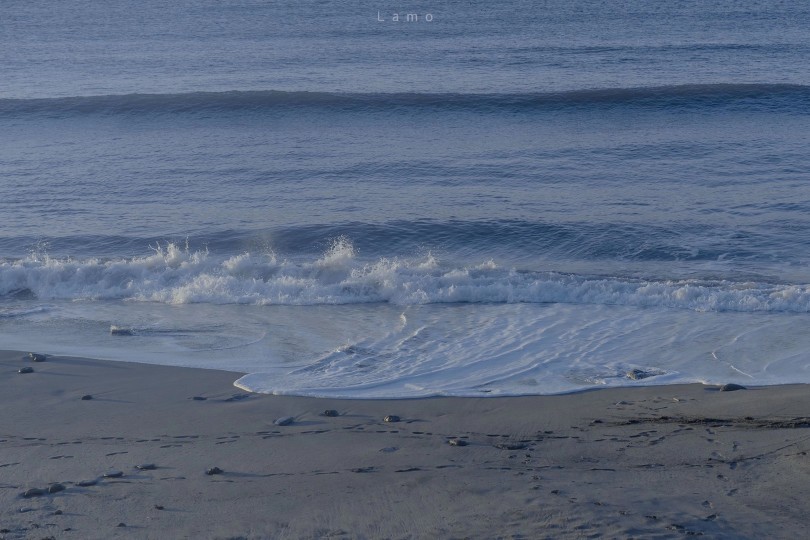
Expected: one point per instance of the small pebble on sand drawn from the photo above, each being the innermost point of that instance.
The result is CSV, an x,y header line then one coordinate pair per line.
x,y
56,488
87,483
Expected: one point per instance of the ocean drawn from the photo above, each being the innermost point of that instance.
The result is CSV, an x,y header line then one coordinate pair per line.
x,y
396,200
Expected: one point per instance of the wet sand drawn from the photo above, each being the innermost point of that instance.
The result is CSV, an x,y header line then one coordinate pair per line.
x,y
646,462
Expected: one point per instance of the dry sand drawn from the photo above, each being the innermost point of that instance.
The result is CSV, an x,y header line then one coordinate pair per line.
x,y
647,462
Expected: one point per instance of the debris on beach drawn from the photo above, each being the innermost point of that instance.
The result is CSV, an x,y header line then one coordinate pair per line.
x,y
33,492
56,487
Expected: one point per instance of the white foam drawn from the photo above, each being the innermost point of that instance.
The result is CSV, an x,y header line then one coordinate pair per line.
x,y
381,350
343,326
173,275
467,350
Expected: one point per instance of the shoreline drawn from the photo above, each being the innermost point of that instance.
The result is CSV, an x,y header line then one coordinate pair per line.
x,y
651,461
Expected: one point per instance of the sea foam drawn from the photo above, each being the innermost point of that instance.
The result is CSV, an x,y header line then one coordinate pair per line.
x,y
176,275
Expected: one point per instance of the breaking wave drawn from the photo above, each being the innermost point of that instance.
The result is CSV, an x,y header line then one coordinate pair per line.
x,y
174,274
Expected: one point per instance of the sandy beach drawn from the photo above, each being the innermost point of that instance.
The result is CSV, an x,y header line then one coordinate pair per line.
x,y
647,462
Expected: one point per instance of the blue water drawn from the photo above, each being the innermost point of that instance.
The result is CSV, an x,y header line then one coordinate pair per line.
x,y
492,199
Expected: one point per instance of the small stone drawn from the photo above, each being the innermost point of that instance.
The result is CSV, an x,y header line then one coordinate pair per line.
x,y
510,446
121,525
87,397
56,488
731,387
33,492
199,398
159,507
391,418
330,412
457,442
638,374
213,470
58,513
146,467
113,474
26,369
35,357
284,421
87,483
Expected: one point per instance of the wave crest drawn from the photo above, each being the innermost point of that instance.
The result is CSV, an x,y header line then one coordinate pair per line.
x,y
784,95
176,275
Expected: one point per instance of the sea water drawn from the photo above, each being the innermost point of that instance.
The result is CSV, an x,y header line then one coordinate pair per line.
x,y
479,198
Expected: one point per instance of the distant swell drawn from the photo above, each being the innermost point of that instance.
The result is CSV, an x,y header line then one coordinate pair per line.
x,y
174,275
689,95
507,239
